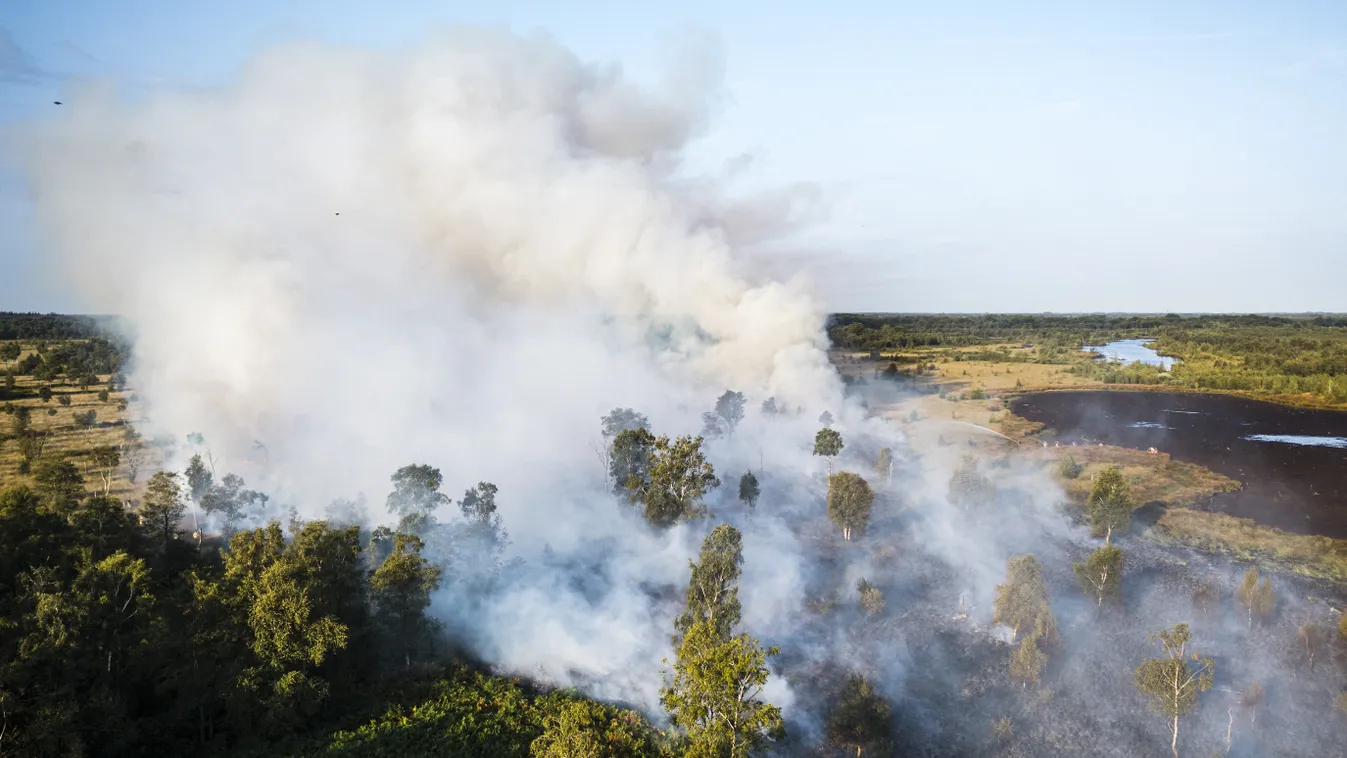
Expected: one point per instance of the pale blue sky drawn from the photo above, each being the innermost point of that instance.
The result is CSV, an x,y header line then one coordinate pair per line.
x,y
979,156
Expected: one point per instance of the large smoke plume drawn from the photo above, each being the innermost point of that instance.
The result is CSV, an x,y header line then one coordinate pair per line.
x,y
462,255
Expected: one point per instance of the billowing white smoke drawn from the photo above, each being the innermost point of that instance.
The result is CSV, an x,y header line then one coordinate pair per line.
x,y
460,255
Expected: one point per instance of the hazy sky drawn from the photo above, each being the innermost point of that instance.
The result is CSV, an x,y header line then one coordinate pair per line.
x,y
992,156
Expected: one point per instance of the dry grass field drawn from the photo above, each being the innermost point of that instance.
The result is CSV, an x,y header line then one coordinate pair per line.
x,y
63,438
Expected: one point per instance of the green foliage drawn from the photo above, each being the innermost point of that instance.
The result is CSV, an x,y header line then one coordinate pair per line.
x,y
748,489
849,502
714,695
629,459
730,408
1022,601
677,477
60,484
872,599
713,592
84,419
977,393
1110,503
1258,598
163,507
968,487
400,589
1172,682
9,351
198,478
416,490
621,420
860,718
64,400
1100,575
828,443
44,392
230,501
1068,468
1028,661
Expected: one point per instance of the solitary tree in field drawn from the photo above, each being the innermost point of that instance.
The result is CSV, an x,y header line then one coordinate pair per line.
x,y
884,465
749,490
769,407
968,487
713,590
828,444
677,477
872,599
163,506
730,408
861,718
44,393
1258,598
105,460
1172,682
1022,601
1313,638
1068,467
1110,503
1100,575
849,502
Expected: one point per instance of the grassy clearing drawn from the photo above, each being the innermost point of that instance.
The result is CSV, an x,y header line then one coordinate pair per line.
x,y
64,438
1318,557
1153,477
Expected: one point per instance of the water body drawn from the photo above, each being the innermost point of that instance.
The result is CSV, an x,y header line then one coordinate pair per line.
x,y
1292,461
1131,351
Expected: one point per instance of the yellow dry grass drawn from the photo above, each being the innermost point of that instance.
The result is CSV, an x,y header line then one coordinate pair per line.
x,y
64,439
1152,478
1320,557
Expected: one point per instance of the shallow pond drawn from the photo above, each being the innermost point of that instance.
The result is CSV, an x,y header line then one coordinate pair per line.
x,y
1292,461
1131,351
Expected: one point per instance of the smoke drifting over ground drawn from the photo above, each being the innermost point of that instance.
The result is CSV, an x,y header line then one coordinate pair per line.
x,y
463,255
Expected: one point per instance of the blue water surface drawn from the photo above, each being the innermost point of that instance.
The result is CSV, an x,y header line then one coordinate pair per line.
x,y
1131,351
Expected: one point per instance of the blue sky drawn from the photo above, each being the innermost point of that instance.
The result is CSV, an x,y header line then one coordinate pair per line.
x,y
978,156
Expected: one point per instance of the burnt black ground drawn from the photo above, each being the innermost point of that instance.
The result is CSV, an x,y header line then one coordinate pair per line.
x,y
1297,488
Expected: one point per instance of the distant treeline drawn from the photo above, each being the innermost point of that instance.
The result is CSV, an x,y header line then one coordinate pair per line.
x,y
858,331
1270,355
49,326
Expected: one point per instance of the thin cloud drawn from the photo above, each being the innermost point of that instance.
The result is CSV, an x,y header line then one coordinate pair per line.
x,y
16,65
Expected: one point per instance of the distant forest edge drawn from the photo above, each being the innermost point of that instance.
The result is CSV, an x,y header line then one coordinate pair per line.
x,y
1298,359
55,326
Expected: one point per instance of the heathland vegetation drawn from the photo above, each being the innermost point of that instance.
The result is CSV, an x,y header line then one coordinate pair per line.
x,y
1292,359
128,629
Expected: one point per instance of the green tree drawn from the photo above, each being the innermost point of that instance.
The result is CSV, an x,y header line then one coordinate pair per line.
x,y
1022,601
769,407
860,718
748,489
44,392
9,351
64,400
401,588
1110,504
229,500
629,459
1028,661
713,592
678,476
730,408
714,695
1100,575
105,459
884,465
198,478
1068,468
1259,599
617,421
60,484
416,490
1171,681
849,502
163,507
586,729
968,487
872,599
84,419
828,444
